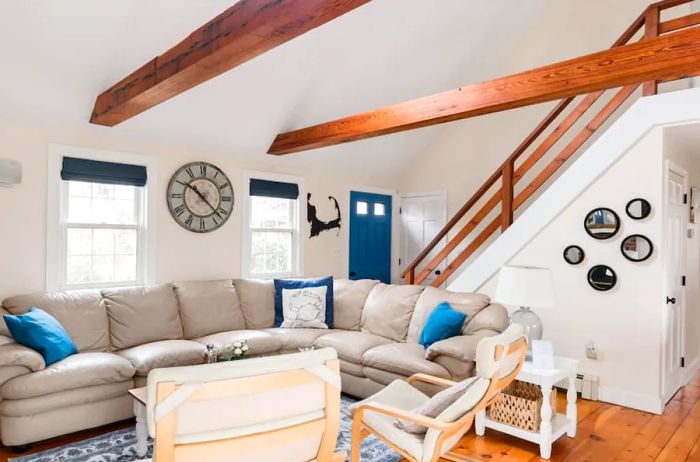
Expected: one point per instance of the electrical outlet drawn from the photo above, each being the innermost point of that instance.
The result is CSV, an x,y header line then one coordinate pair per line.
x,y
591,351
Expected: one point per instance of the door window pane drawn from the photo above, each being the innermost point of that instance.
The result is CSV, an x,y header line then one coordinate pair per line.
x,y
379,209
361,208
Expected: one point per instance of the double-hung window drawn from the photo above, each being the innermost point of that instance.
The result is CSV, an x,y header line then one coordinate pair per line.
x,y
102,224
273,229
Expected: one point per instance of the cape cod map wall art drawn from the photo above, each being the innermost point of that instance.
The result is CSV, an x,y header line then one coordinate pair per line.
x,y
317,225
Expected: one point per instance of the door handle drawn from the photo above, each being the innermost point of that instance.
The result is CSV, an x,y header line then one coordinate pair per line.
x,y
438,272
352,273
672,301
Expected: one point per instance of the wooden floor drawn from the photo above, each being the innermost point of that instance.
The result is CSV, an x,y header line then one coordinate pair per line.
x,y
605,433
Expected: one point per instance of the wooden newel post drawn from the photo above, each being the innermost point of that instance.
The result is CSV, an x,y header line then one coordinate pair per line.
x,y
507,196
651,30
410,277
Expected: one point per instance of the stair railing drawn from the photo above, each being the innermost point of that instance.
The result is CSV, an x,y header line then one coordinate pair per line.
x,y
649,22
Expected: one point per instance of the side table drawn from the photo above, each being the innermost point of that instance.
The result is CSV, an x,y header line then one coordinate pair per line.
x,y
554,425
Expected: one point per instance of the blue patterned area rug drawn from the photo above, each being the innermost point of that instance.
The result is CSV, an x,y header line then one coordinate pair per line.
x,y
118,446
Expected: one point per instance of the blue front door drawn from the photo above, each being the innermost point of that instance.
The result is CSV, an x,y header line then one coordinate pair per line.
x,y
370,236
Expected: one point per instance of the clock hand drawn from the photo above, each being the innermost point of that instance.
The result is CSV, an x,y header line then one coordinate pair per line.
x,y
194,188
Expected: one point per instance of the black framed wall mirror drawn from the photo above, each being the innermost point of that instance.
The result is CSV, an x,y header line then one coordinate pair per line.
x,y
638,209
637,248
602,278
602,223
574,255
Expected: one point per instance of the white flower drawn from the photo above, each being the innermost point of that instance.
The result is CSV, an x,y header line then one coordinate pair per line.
x,y
237,352
237,345
245,347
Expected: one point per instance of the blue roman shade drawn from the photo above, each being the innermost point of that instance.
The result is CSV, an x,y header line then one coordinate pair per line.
x,y
276,189
95,171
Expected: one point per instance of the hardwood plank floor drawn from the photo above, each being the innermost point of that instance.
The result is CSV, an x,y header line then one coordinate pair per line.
x,y
605,433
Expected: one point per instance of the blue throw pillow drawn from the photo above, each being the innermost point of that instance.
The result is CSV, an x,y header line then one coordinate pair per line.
x,y
38,330
444,322
297,284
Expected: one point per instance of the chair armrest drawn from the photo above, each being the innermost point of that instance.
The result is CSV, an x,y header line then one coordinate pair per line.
x,y
462,347
14,354
430,379
399,414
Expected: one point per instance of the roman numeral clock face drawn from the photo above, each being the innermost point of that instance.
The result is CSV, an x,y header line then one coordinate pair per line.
x,y
200,197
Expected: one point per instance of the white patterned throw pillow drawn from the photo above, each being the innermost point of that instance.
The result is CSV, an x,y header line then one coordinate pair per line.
x,y
304,307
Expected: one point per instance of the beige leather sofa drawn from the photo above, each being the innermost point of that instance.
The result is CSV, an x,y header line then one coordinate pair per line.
x,y
124,333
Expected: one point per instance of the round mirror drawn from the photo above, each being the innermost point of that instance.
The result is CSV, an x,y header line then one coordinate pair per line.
x,y
638,209
602,278
602,223
574,254
637,247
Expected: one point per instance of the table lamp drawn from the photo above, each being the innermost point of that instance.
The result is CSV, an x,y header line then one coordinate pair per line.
x,y
526,287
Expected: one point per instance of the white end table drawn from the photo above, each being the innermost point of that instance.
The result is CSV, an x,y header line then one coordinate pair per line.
x,y
554,425
139,395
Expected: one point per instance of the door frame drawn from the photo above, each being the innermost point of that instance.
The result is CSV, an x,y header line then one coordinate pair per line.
x,y
442,193
395,204
669,166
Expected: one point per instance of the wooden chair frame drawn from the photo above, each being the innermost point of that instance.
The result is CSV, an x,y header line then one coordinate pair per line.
x,y
361,430
166,449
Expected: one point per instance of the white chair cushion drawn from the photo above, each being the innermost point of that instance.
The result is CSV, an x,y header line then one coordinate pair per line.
x,y
401,395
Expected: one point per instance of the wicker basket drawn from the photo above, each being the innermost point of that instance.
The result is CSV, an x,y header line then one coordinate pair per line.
x,y
519,405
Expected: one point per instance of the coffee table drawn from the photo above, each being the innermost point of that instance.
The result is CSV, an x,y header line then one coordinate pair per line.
x,y
139,395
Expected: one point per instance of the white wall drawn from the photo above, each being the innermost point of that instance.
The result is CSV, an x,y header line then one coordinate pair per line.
x,y
180,254
625,322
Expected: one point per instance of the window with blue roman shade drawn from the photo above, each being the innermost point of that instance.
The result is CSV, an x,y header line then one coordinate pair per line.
x,y
277,189
95,171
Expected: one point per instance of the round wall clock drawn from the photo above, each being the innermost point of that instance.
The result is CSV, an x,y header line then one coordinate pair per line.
x,y
200,197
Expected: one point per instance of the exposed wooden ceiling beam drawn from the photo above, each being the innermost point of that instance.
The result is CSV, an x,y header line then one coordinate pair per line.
x,y
246,30
669,57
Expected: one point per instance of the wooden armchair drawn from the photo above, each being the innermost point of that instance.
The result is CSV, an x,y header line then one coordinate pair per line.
x,y
498,361
255,410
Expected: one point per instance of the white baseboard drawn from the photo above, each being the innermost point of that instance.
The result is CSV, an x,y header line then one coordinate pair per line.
x,y
639,401
690,371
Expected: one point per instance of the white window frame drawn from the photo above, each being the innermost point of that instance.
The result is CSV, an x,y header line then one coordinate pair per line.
x,y
57,214
247,232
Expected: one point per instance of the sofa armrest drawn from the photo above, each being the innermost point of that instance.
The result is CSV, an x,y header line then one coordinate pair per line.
x,y
14,354
462,347
494,317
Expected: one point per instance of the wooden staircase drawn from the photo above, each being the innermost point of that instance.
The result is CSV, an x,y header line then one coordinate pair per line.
x,y
501,195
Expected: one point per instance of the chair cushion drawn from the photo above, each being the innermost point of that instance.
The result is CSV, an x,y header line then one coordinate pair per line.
x,y
348,300
82,313
141,315
164,353
76,371
436,405
38,330
293,339
468,303
260,342
208,307
257,302
403,358
350,345
388,310
398,394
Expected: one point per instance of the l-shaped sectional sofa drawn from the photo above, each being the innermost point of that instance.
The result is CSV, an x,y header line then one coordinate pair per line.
x,y
122,334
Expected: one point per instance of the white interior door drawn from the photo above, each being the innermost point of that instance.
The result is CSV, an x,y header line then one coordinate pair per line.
x,y
676,216
422,217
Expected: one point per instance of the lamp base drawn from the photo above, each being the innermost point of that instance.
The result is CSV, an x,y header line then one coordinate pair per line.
x,y
532,325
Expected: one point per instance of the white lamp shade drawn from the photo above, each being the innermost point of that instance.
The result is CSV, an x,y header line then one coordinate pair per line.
x,y
525,286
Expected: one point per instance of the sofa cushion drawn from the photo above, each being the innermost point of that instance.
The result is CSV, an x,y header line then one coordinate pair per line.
x,y
76,371
141,315
260,343
388,310
348,300
403,358
257,298
165,353
208,307
293,339
431,297
493,317
81,312
38,330
350,345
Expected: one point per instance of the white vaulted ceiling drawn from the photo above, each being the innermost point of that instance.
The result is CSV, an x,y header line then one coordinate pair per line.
x,y
57,56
